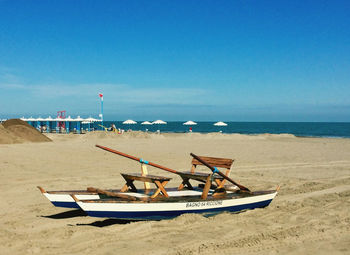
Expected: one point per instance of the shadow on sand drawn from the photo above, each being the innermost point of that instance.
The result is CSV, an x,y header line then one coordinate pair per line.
x,y
66,215
107,222
81,213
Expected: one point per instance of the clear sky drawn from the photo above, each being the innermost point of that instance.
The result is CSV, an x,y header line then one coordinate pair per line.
x,y
176,60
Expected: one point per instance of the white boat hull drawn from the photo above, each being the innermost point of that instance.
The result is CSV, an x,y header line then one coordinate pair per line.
x,y
165,210
64,198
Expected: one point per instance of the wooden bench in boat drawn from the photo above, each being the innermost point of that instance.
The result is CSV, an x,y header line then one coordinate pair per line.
x,y
203,177
159,181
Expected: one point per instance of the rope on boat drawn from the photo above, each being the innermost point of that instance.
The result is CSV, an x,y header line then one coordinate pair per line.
x,y
142,161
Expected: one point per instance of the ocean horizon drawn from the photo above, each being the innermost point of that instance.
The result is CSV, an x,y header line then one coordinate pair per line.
x,y
302,129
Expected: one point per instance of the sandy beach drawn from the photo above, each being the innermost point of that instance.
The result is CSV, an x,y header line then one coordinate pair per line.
x,y
310,214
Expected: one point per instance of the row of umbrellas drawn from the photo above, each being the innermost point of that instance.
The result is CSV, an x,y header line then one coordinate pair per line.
x,y
127,122
160,122
88,120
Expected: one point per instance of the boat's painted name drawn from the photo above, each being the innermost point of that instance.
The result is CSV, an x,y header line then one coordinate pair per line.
x,y
205,203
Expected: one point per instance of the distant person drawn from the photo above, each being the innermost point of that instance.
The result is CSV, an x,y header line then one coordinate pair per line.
x,y
191,129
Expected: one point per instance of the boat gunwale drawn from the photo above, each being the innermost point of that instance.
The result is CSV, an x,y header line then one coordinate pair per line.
x,y
85,192
182,199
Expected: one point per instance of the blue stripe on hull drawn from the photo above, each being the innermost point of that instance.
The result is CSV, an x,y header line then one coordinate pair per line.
x,y
65,204
159,215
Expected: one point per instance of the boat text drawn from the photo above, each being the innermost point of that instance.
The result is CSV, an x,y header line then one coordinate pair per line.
x,y
202,204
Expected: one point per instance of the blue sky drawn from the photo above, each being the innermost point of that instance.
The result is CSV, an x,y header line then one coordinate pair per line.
x,y
176,60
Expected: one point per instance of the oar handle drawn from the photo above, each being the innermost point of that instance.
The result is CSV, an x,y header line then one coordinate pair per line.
x,y
215,170
137,159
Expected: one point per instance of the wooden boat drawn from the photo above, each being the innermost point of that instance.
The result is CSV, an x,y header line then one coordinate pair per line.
x,y
159,209
208,200
63,198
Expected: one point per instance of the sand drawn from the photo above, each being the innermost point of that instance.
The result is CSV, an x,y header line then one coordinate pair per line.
x,y
18,131
310,215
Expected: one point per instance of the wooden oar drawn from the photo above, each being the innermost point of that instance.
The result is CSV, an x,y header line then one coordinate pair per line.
x,y
137,159
215,170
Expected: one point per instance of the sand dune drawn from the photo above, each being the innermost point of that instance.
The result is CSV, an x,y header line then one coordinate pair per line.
x,y
310,214
18,131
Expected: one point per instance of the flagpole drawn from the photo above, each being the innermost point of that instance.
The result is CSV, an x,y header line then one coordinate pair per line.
x,y
101,99
102,110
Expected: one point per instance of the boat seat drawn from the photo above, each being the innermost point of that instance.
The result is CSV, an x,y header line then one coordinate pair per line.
x,y
225,163
159,181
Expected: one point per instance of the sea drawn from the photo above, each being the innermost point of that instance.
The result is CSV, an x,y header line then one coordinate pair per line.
x,y
301,129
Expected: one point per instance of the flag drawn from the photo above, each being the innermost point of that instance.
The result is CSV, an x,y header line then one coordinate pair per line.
x,y
101,96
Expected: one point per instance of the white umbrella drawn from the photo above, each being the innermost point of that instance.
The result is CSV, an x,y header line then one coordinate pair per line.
x,y
39,119
189,123
24,119
49,119
58,125
58,119
31,119
146,123
90,120
159,122
128,122
220,123
70,119
76,119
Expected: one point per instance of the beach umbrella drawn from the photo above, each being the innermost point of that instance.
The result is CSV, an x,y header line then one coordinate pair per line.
x,y
189,123
159,122
221,124
39,124
58,125
146,123
89,121
48,120
67,124
129,122
24,119
78,120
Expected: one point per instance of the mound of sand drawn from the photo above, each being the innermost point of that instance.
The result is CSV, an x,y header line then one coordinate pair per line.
x,y
18,131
